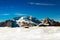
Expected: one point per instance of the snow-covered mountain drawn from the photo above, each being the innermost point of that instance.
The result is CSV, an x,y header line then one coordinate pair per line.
x,y
28,21
49,22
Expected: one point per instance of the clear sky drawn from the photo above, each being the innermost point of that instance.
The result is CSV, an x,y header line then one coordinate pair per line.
x,y
36,8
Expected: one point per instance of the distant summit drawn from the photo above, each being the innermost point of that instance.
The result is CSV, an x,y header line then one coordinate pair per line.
x,y
49,22
28,21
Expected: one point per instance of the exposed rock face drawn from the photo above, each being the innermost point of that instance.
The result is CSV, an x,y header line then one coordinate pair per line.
x,y
49,22
24,24
7,23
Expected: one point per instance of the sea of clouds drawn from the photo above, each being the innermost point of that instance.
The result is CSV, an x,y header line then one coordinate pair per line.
x,y
32,33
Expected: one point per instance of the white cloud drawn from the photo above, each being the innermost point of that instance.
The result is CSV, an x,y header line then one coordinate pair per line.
x,y
32,3
19,14
4,14
16,14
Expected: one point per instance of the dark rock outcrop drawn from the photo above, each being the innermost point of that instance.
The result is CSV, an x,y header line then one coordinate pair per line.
x,y
24,24
6,23
49,22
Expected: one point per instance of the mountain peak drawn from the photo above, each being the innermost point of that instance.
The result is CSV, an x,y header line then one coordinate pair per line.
x,y
29,21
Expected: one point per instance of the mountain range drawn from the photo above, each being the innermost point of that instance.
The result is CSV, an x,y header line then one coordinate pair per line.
x,y
28,21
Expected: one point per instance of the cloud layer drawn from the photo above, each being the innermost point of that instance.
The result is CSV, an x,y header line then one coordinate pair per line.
x,y
4,14
16,14
32,3
19,14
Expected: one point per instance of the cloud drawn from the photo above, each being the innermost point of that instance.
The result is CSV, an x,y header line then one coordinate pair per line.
x,y
19,14
32,3
15,14
4,14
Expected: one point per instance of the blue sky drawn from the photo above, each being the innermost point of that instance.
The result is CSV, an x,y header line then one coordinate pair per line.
x,y
36,8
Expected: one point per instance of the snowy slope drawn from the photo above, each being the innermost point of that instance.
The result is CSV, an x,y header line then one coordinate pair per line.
x,y
32,33
26,19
